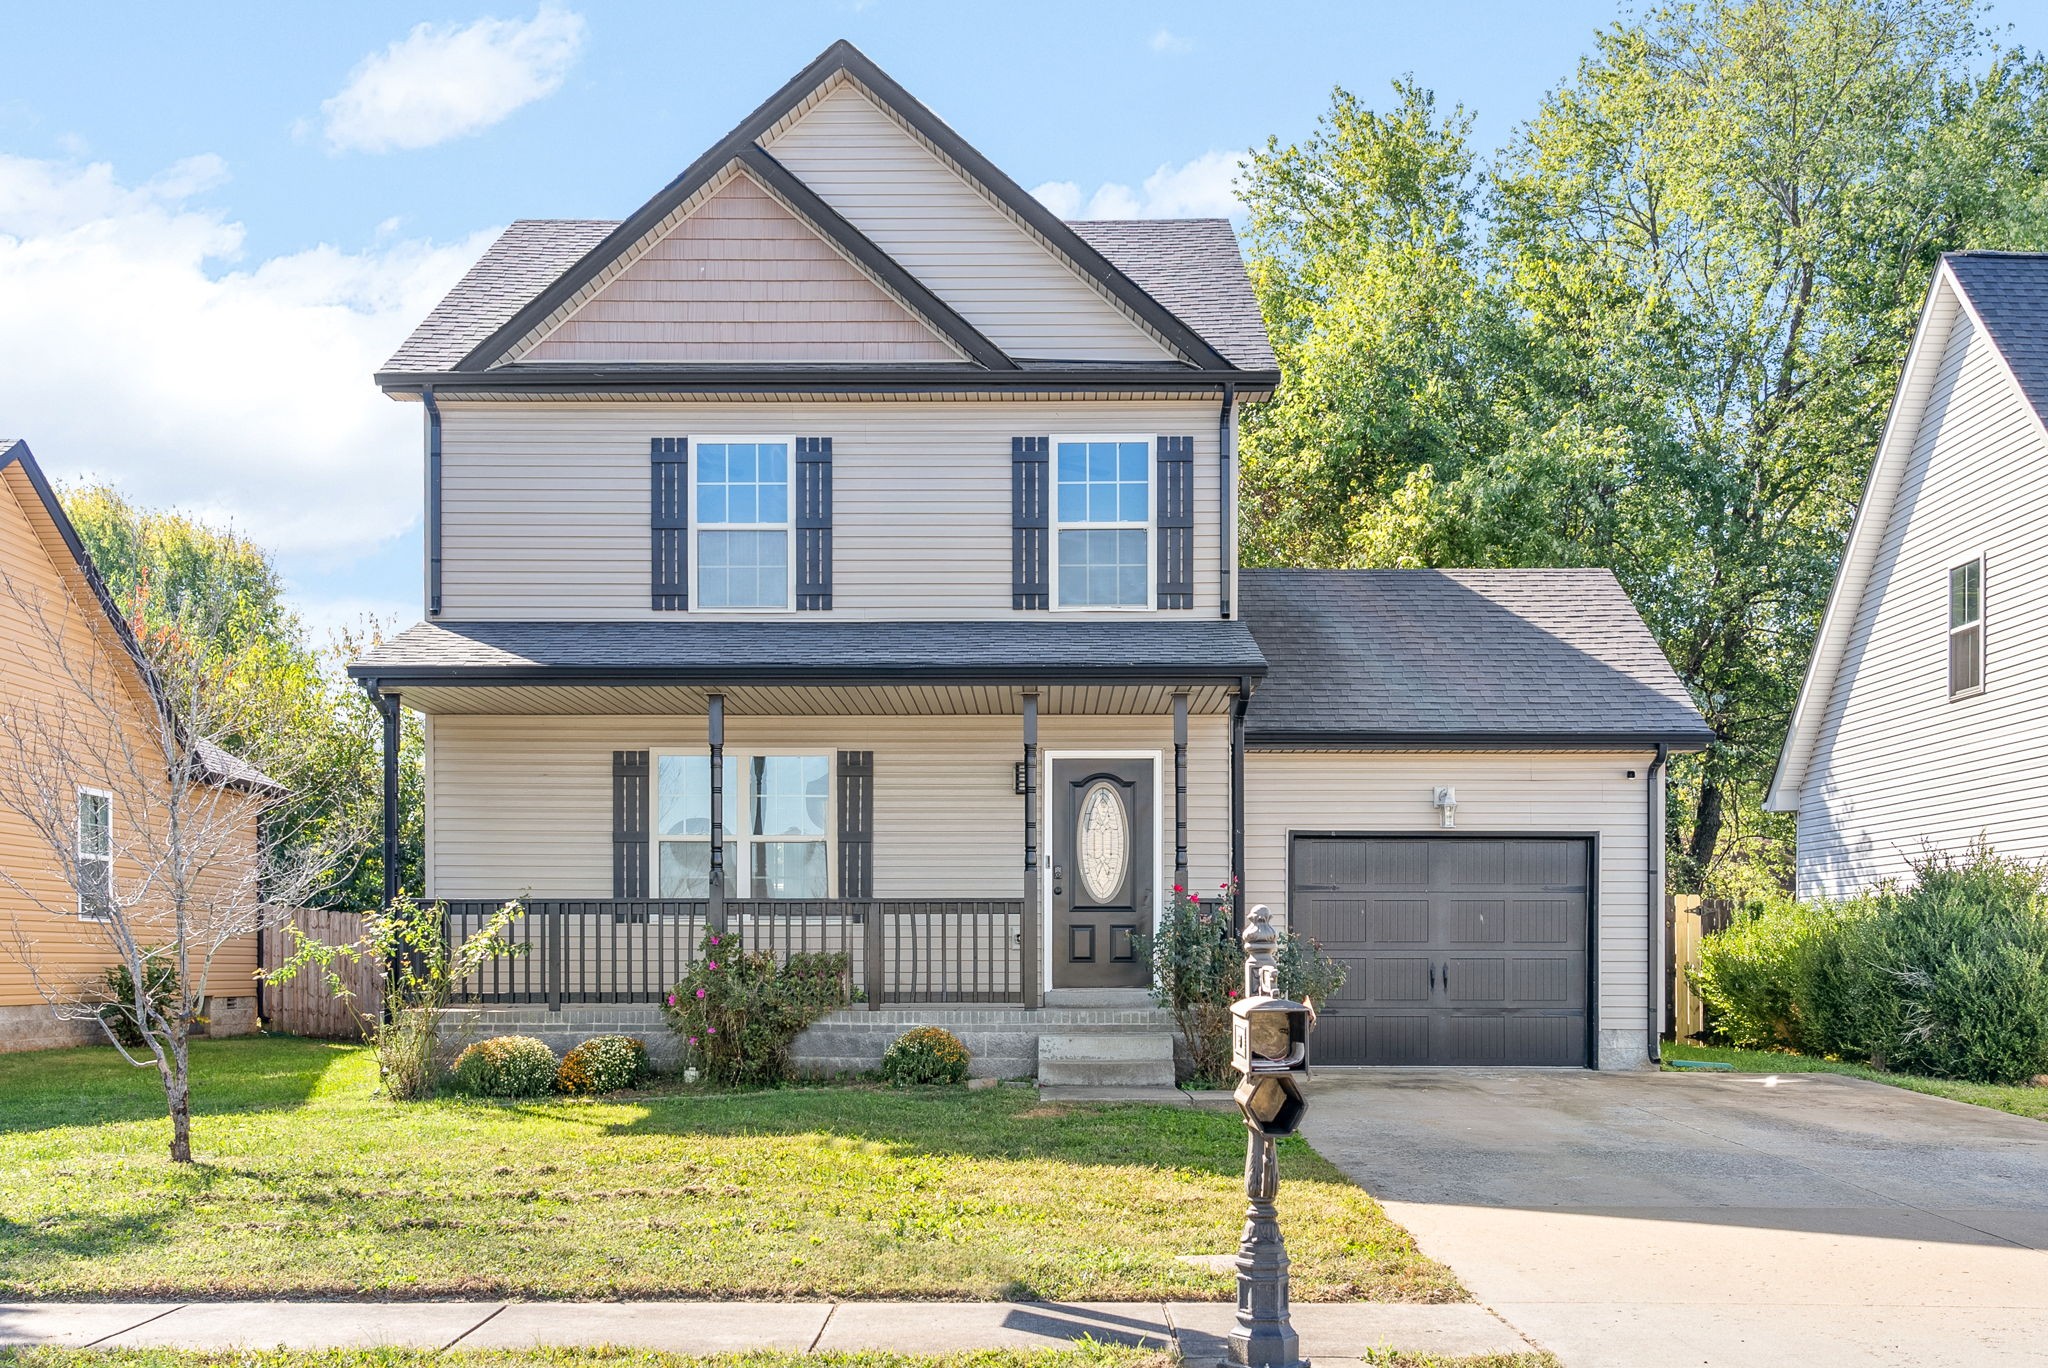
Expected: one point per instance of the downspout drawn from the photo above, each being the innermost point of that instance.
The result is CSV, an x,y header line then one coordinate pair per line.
x,y
1237,711
1654,832
433,537
1226,503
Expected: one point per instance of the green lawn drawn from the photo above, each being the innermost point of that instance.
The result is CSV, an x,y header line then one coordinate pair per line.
x,y
309,1186
2020,1101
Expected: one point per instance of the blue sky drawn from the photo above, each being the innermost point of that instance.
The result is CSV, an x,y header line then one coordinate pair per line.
x,y
215,220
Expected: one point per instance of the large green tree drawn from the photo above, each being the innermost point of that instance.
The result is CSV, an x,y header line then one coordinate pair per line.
x,y
1688,285
172,573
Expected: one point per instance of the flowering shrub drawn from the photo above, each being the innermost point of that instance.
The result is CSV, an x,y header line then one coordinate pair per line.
x,y
505,1066
738,1011
927,1054
603,1064
1198,971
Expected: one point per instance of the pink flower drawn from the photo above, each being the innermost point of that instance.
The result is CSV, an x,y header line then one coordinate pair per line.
x,y
700,995
713,963
693,1040
714,940
1178,889
671,999
711,1030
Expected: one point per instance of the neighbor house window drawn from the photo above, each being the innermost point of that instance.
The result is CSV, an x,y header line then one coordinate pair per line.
x,y
777,844
1966,628
95,854
1102,545
744,558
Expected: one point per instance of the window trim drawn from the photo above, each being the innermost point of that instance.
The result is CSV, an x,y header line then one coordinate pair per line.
x,y
1055,525
740,875
1948,616
788,526
78,849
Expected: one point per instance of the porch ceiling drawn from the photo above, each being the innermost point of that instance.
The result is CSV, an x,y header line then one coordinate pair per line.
x,y
809,700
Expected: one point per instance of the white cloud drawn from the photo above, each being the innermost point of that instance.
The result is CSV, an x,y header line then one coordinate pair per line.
x,y
441,82
1167,41
1201,188
136,346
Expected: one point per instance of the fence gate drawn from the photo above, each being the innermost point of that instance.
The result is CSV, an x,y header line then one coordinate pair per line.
x,y
306,1006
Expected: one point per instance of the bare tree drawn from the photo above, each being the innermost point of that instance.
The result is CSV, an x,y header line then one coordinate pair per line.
x,y
140,759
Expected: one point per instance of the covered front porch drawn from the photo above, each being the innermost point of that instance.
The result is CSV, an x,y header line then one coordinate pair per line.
x,y
972,834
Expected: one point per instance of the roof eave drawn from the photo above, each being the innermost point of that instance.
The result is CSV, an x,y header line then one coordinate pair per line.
x,y
395,678
1676,739
901,379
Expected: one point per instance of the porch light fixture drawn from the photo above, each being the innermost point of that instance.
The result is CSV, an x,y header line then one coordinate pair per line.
x,y
1445,799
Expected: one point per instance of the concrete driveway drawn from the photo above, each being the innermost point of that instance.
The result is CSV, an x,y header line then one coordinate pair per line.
x,y
1730,1219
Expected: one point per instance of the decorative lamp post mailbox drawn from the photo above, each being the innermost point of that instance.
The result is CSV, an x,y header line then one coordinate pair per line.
x,y
1269,1047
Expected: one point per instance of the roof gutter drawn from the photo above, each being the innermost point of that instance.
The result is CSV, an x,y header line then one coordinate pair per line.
x,y
387,675
1654,859
1461,741
433,501
1049,380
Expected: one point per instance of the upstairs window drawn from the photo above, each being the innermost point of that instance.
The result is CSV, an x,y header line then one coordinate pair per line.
x,y
95,854
777,841
745,554
1102,504
1966,629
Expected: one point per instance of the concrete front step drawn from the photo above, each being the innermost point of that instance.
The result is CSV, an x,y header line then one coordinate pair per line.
x,y
1106,1058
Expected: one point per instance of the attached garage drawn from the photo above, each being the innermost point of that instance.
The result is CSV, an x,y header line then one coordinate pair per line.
x,y
1460,949
1454,782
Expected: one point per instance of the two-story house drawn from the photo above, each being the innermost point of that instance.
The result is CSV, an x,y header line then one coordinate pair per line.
x,y
1915,732
842,547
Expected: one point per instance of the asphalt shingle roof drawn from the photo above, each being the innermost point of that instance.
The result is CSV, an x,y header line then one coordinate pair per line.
x,y
1474,655
1191,266
828,649
2009,291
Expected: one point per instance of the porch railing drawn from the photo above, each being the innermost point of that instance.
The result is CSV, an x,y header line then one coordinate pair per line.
x,y
898,950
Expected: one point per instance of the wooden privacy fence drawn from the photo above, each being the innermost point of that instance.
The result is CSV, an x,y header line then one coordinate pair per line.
x,y
305,1005
1688,919
634,950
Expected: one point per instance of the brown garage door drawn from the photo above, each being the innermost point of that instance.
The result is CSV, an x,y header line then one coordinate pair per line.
x,y
1460,950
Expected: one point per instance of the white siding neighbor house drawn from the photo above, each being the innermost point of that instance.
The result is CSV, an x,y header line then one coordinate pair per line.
x,y
1922,724
841,551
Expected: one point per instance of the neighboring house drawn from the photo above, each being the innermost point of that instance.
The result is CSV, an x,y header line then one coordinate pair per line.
x,y
1919,724
844,547
50,595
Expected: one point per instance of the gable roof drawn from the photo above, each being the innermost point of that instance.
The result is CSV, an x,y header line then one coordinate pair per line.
x,y
1465,658
1193,267
2004,296
538,267
216,764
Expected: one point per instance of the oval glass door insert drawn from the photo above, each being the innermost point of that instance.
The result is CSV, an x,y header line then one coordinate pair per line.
x,y
1102,844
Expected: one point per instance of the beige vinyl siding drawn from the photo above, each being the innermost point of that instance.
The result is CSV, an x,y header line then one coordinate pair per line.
x,y
524,804
545,507
1554,794
956,241
41,594
742,280
1898,767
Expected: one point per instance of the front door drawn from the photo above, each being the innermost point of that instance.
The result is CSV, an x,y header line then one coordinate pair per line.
x,y
1101,873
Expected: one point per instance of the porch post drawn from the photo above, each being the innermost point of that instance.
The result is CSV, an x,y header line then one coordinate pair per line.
x,y
1180,790
387,707
1030,921
715,729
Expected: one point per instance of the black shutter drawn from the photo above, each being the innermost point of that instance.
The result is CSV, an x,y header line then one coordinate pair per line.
x,y
814,523
670,524
1030,496
631,796
856,824
1176,522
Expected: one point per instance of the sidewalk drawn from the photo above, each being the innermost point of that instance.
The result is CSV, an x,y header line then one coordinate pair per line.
x,y
1329,1331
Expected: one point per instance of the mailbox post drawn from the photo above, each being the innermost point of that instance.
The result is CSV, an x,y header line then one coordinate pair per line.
x,y
1269,1047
